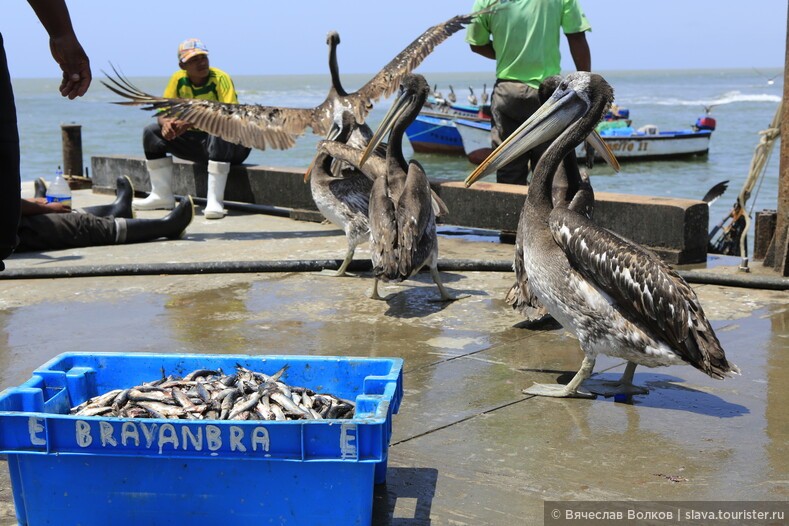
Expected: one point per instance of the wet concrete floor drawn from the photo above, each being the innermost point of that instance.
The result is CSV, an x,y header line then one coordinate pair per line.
x,y
467,447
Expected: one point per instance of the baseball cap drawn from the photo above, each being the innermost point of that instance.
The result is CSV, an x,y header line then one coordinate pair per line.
x,y
190,48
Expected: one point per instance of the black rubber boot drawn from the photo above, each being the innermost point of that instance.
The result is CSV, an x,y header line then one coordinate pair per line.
x,y
172,226
40,187
122,206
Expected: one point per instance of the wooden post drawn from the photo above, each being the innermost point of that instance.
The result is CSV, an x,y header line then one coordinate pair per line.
x,y
72,149
763,233
781,239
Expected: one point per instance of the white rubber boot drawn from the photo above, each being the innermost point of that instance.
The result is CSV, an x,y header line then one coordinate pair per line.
x,y
217,178
161,197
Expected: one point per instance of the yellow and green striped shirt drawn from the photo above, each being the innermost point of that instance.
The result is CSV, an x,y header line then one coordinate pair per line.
x,y
219,87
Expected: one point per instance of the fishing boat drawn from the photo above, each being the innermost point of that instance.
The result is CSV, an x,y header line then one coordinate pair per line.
x,y
434,130
475,135
650,143
628,144
434,133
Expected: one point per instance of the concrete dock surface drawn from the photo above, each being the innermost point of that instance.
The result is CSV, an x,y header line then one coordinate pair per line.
x,y
468,448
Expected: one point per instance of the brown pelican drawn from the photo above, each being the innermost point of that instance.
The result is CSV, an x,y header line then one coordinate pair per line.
x,y
472,99
451,97
342,199
402,221
484,96
570,187
375,166
437,94
617,297
260,127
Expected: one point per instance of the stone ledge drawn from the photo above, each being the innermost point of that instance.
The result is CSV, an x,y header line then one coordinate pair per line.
x,y
676,229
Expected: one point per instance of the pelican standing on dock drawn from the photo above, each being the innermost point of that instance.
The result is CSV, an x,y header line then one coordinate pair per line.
x,y
342,199
402,221
617,297
258,126
571,188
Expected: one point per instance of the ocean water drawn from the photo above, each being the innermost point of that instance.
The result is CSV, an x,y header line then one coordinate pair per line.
x,y
741,101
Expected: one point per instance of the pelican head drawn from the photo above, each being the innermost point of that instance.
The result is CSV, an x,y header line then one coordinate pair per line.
x,y
413,92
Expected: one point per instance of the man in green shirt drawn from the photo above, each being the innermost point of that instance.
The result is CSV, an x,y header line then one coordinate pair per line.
x,y
170,135
523,38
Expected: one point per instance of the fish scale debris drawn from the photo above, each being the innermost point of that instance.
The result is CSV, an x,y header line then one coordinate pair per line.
x,y
206,394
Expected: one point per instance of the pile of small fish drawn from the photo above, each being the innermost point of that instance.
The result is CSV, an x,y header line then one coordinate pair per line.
x,y
206,394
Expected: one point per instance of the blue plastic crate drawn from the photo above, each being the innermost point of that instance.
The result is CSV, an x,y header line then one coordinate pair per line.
x,y
97,470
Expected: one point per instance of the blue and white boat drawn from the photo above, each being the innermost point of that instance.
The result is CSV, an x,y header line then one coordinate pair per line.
x,y
434,134
434,130
628,144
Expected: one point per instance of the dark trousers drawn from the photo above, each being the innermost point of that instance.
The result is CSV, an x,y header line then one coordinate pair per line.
x,y
196,146
10,185
56,231
511,104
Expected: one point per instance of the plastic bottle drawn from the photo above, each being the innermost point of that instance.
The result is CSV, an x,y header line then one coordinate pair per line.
x,y
59,190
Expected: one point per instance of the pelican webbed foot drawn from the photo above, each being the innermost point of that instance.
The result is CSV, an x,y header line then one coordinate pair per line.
x,y
445,295
558,391
610,388
374,293
572,390
623,386
340,272
335,273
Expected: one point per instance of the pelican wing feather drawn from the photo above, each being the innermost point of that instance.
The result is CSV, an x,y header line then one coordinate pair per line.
x,y
414,211
644,288
251,125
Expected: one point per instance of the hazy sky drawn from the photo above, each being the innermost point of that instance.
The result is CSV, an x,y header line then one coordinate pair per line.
x,y
280,37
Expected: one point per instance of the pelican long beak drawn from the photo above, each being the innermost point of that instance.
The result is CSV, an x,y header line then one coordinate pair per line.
x,y
334,132
399,106
547,123
309,169
598,143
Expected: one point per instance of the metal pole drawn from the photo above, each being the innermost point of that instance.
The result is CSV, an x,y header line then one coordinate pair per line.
x,y
72,149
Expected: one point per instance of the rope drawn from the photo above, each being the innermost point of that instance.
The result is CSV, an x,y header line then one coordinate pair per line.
x,y
761,156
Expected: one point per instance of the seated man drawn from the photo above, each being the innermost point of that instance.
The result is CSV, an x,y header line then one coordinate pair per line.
x,y
195,80
53,226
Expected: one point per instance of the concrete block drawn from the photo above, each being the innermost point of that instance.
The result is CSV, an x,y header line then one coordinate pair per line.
x,y
262,185
676,229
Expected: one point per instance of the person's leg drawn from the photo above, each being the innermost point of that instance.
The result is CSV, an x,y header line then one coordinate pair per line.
x,y
10,185
122,206
221,155
172,226
58,231
190,146
511,104
40,187
160,170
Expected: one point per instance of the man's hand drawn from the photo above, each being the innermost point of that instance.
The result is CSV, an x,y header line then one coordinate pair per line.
x,y
172,128
58,208
39,205
75,65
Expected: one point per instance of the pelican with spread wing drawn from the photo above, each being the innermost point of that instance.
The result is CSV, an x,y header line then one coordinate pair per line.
x,y
262,127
